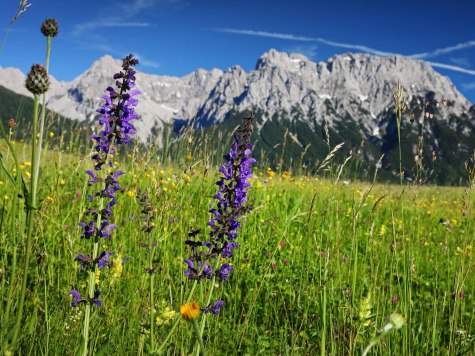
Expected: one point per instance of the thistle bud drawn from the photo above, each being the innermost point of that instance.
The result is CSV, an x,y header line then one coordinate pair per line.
x,y
37,80
49,27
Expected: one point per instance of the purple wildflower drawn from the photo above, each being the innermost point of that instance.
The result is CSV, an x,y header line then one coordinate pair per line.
x,y
77,298
85,260
215,309
191,272
224,271
207,269
96,300
103,259
117,114
89,229
231,206
93,177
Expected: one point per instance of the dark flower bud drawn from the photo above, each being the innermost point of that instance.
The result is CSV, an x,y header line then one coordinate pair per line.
x,y
11,123
49,27
37,81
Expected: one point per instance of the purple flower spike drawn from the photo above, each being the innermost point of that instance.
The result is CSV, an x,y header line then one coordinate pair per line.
x,y
116,116
231,206
191,272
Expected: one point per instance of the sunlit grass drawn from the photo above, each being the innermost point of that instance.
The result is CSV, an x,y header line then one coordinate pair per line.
x,y
296,246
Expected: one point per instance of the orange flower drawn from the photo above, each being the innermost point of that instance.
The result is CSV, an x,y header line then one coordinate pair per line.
x,y
190,311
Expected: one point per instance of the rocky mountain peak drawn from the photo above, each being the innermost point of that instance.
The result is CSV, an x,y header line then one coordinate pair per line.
x,y
283,60
280,83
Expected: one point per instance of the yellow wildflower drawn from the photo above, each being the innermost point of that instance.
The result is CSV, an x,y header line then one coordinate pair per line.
x,y
117,266
98,276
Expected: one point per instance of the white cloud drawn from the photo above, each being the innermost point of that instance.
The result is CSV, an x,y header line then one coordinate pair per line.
x,y
444,50
309,51
451,67
468,86
281,36
147,62
80,28
128,11
461,62
285,36
363,48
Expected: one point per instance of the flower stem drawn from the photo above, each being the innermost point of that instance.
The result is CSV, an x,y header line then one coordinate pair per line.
x,y
31,206
198,335
162,346
36,167
151,302
90,294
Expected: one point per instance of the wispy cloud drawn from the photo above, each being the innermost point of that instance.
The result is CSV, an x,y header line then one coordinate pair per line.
x,y
128,11
309,51
461,62
285,36
147,62
444,50
282,36
81,28
362,48
451,67
468,86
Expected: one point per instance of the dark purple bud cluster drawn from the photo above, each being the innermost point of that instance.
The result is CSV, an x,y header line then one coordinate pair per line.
x,y
231,205
116,116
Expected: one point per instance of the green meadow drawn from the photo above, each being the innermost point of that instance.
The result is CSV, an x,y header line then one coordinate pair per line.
x,y
321,264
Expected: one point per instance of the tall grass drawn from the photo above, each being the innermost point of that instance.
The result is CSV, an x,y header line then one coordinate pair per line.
x,y
311,253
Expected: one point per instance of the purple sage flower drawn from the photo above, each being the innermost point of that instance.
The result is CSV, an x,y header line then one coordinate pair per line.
x,y
84,260
103,259
224,271
96,300
231,206
214,309
117,114
77,298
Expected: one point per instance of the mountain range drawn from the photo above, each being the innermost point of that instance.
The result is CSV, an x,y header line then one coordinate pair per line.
x,y
305,104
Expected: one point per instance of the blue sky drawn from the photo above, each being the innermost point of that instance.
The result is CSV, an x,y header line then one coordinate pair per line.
x,y
175,37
